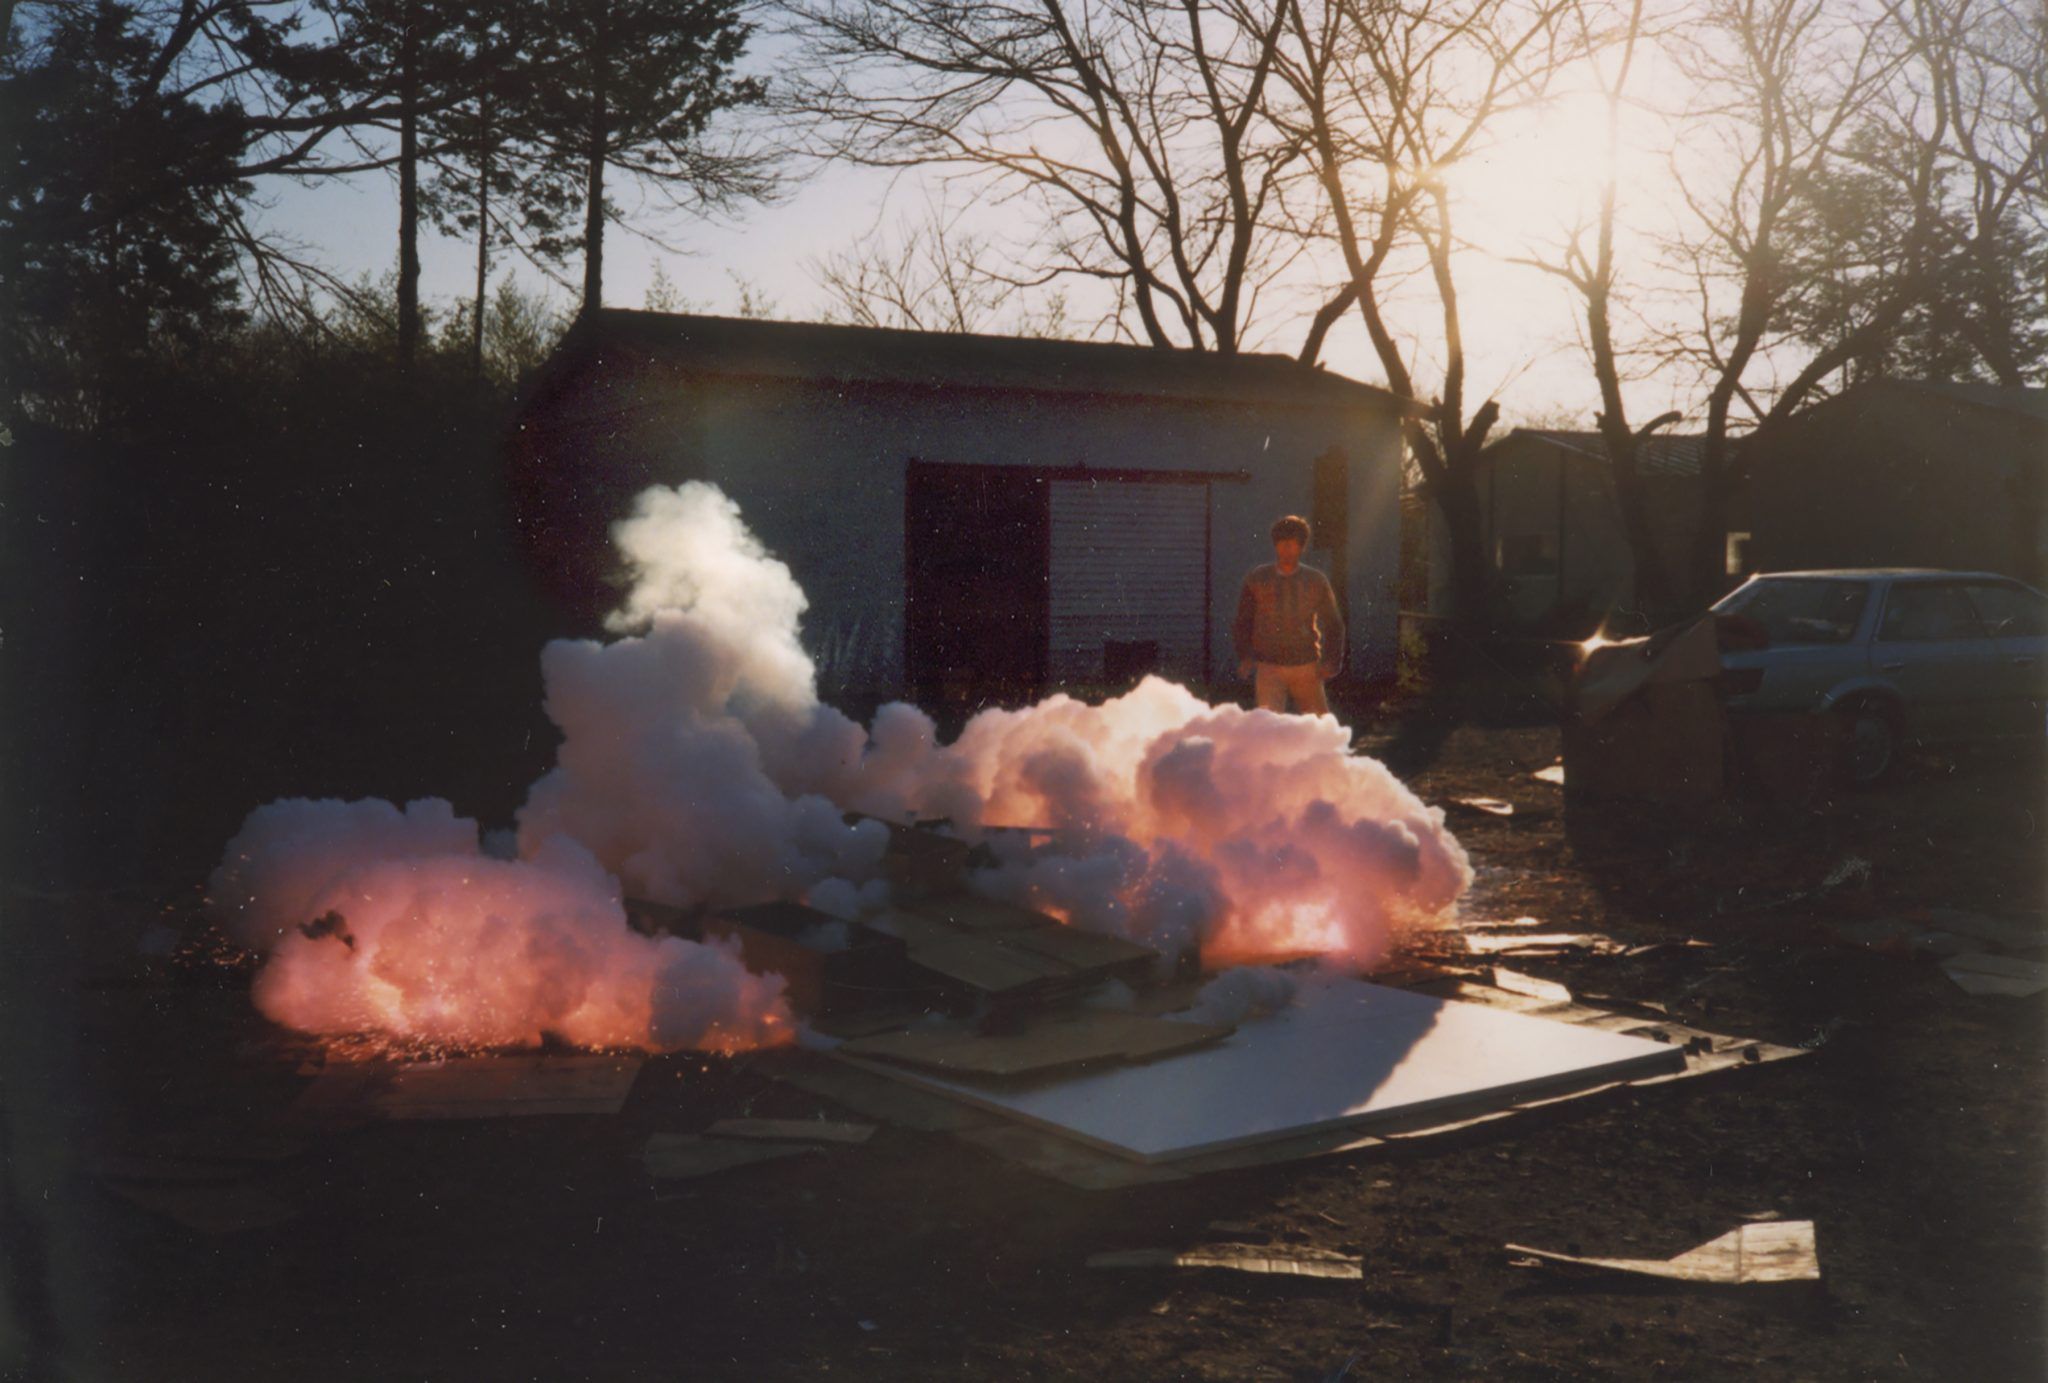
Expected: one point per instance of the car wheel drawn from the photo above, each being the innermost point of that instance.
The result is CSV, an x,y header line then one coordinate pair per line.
x,y
1871,752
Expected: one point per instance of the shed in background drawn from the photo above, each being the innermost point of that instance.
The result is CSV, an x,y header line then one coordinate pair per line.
x,y
975,519
1555,533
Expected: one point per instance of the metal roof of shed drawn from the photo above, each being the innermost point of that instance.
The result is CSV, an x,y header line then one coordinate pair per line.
x,y
853,354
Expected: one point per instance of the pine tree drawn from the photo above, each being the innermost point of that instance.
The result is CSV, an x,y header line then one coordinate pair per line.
x,y
490,182
632,87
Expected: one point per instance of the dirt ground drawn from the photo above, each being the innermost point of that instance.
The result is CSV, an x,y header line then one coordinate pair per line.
x,y
537,1248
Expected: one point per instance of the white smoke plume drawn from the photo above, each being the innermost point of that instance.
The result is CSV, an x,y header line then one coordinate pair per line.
x,y
1246,992
697,767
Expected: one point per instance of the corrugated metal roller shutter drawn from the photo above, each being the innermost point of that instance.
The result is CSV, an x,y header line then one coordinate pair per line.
x,y
1128,566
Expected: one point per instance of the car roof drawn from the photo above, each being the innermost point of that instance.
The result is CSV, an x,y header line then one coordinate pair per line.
x,y
1891,573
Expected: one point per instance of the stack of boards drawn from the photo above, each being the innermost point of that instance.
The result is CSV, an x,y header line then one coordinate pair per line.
x,y
1345,1054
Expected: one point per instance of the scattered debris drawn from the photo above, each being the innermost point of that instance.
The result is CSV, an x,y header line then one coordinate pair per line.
x,y
1978,973
1774,1251
1482,943
678,1155
1482,806
1852,869
794,1130
328,924
1515,982
1992,931
1285,1261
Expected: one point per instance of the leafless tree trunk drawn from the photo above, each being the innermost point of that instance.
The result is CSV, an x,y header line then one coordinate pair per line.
x,y
1591,275
1385,97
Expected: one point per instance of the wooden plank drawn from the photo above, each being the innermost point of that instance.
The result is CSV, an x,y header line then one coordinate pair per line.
x,y
1277,1261
970,912
793,1130
869,1094
1059,1040
684,1155
1064,1160
1529,986
1083,950
985,963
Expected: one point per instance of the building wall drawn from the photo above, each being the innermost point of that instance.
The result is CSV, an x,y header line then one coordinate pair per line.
x,y
818,471
1528,489
1892,477
1520,497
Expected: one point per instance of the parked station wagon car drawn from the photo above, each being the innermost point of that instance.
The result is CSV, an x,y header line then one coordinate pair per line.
x,y
1903,655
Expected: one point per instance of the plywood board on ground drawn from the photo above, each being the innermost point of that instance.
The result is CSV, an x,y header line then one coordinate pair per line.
x,y
1345,1055
984,963
970,912
793,1130
684,1155
1083,950
1059,1040
496,1087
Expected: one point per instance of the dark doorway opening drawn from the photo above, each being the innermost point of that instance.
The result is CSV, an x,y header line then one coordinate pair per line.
x,y
976,556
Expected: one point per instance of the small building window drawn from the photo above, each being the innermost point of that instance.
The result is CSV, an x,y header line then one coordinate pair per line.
x,y
1528,554
1738,554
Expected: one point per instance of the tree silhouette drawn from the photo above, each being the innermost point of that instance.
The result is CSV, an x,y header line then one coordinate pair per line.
x,y
633,86
114,267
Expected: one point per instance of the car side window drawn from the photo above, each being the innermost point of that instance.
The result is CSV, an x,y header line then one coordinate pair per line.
x,y
1928,612
1801,610
2009,612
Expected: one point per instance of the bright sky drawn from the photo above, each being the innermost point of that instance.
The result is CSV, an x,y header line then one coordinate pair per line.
x,y
1521,326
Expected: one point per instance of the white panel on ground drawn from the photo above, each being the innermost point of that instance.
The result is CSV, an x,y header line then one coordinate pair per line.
x,y
1345,1054
1128,563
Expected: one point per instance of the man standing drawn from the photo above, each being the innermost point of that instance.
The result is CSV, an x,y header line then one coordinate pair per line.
x,y
1288,626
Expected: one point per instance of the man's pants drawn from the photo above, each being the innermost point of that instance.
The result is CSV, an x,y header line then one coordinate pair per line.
x,y
1300,682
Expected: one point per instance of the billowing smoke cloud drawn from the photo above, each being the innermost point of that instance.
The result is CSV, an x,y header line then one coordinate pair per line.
x,y
377,920
1181,825
697,767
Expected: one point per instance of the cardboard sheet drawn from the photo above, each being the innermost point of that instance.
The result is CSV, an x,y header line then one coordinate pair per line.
x,y
1346,1055
1982,974
1778,1251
